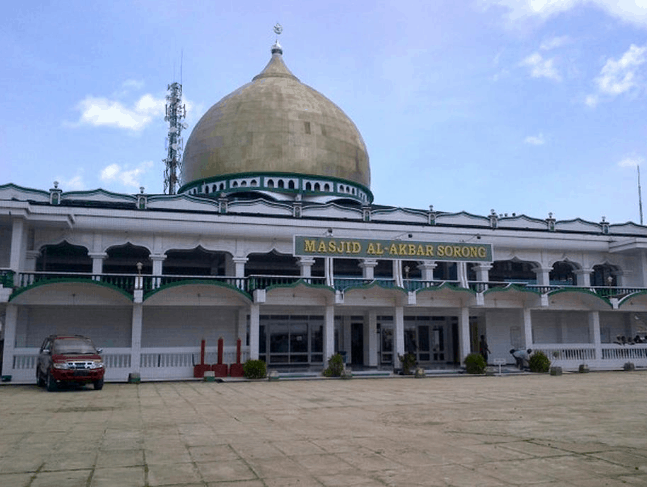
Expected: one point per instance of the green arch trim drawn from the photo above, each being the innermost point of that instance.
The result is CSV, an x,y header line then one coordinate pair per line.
x,y
446,285
511,287
188,282
298,282
21,290
379,283
582,291
624,300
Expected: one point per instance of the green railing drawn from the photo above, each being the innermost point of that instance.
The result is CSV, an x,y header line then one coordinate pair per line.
x,y
129,282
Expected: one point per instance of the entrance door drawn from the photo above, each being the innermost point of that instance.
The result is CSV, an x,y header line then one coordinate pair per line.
x,y
386,345
357,343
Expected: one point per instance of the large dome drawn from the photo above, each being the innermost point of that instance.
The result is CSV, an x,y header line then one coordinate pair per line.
x,y
277,136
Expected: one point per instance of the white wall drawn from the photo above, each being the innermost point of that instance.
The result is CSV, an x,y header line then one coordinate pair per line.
x,y
106,326
560,327
498,325
184,326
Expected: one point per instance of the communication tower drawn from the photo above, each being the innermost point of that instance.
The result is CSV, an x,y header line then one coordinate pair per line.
x,y
175,112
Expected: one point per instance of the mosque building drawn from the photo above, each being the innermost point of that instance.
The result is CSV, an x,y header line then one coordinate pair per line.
x,y
274,238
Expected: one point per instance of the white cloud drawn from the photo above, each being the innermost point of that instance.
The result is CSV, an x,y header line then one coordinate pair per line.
x,y
111,113
618,77
621,76
125,176
554,43
540,67
535,139
631,161
631,11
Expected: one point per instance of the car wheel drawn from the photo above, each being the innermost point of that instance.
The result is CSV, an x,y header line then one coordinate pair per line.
x,y
51,382
98,385
39,378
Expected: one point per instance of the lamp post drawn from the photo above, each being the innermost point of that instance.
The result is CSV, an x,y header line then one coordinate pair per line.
x,y
139,284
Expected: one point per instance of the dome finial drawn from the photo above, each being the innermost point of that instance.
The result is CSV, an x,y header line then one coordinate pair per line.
x,y
276,48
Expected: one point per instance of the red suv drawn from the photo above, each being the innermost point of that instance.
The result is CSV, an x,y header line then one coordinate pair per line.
x,y
69,360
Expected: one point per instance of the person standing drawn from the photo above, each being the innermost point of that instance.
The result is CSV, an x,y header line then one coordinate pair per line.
x,y
483,348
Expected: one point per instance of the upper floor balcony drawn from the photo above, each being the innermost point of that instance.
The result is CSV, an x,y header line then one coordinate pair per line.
x,y
128,283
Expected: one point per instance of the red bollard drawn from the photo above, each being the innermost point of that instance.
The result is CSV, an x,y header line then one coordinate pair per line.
x,y
201,368
220,369
236,370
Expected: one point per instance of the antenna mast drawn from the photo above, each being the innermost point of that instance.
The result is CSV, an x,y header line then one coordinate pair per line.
x,y
640,198
175,112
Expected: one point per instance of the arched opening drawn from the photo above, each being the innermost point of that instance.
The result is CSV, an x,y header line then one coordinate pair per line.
x,y
562,274
270,183
308,186
123,259
512,271
291,185
64,257
281,184
195,262
604,275
271,264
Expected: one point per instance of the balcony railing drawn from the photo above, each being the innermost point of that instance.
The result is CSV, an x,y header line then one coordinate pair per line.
x,y
129,282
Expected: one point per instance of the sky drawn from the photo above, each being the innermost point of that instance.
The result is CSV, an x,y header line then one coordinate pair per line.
x,y
517,106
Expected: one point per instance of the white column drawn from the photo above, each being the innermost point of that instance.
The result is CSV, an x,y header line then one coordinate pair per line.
x,y
136,336
239,263
464,333
306,263
16,257
368,268
397,273
10,323
254,325
97,263
527,327
594,333
158,262
620,278
31,256
371,337
583,277
543,275
329,333
482,272
329,272
461,271
398,323
427,270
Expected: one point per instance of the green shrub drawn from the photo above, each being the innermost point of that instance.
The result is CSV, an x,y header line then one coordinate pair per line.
x,y
408,361
335,366
255,369
475,363
539,362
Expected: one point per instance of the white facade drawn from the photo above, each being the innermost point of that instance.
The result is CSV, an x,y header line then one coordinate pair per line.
x,y
211,270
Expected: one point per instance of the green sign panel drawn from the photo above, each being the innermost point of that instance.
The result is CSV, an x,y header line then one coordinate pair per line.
x,y
354,248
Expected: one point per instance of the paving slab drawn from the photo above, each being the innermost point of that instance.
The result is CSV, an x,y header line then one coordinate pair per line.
x,y
515,430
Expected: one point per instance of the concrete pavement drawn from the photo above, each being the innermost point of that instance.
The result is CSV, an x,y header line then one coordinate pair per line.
x,y
574,430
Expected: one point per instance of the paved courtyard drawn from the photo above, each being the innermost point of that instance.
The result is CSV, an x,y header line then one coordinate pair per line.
x,y
574,430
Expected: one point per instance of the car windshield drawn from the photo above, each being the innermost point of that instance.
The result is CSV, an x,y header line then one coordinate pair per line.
x,y
73,345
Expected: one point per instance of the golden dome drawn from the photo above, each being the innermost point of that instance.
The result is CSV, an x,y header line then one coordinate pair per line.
x,y
276,125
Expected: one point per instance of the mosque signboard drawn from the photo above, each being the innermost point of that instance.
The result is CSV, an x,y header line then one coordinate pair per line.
x,y
354,248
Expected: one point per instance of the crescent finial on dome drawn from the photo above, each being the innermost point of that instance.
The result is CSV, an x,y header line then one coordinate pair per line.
x,y
276,48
